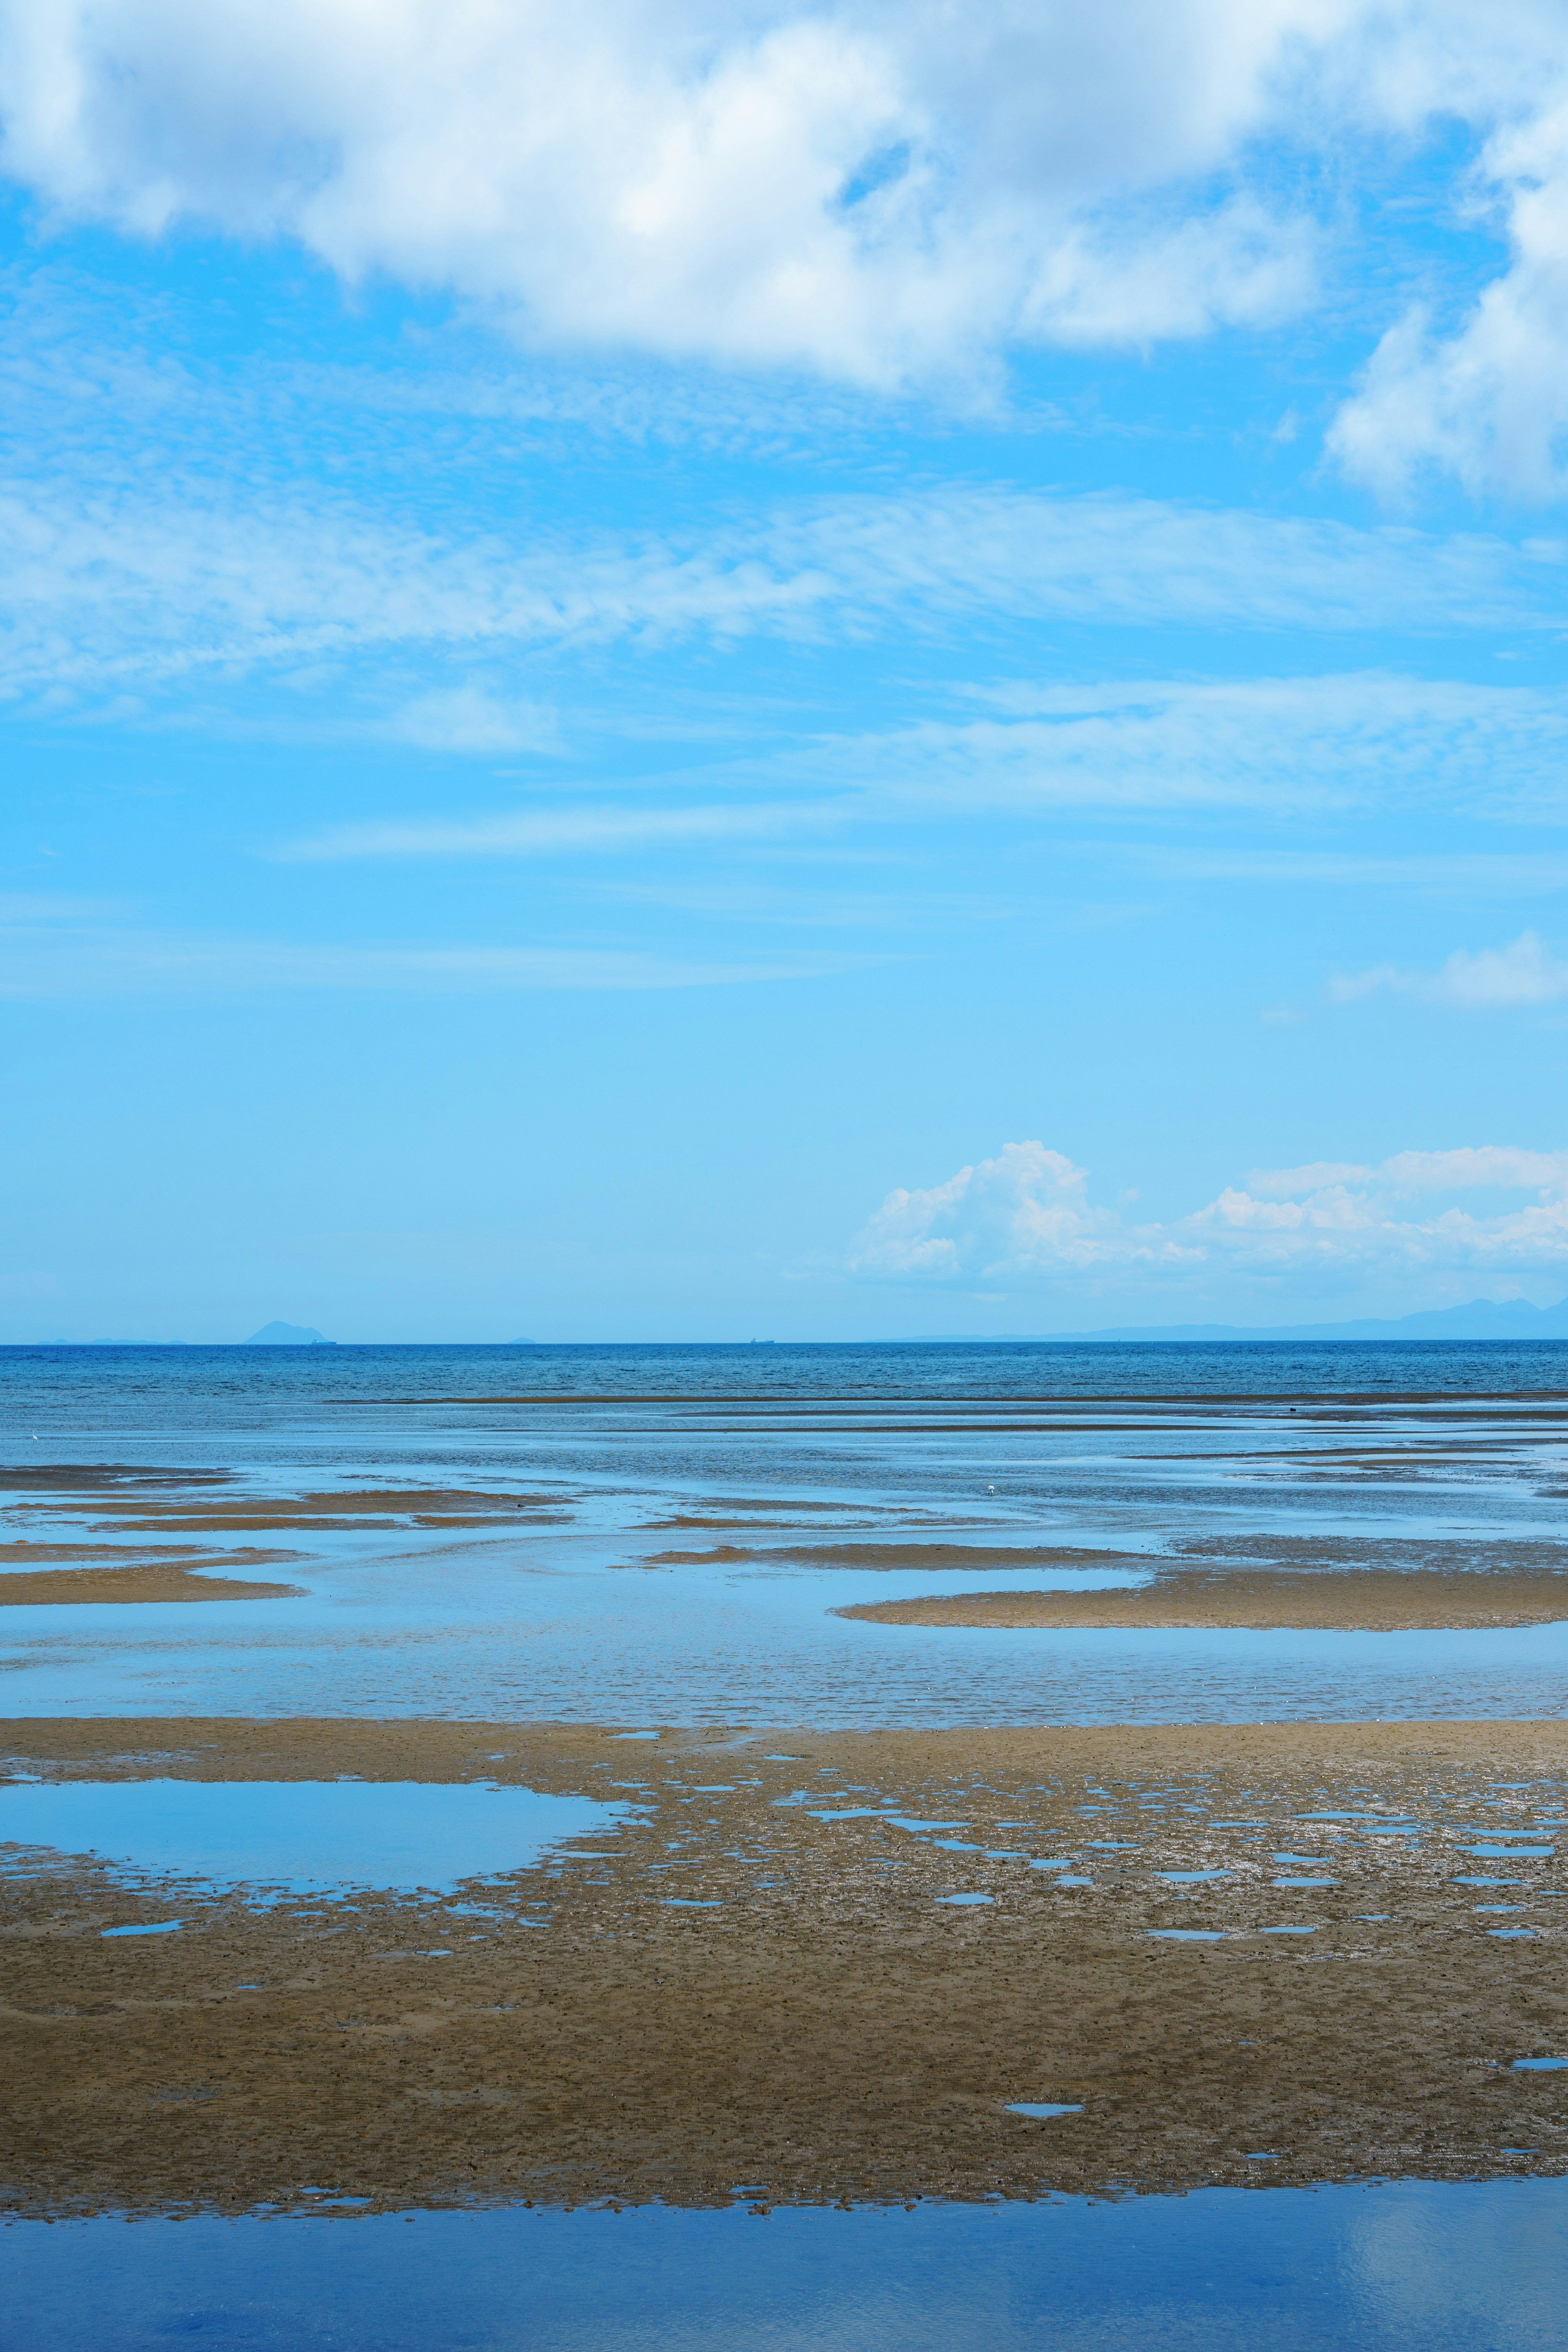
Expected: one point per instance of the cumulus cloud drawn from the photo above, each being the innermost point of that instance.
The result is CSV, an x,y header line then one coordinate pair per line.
x,y
1487,979
1487,400
854,186
1026,1217
874,191
1025,1213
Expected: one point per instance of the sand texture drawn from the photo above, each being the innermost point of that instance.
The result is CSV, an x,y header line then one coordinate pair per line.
x,y
830,2029
1373,1600
163,1580
125,1500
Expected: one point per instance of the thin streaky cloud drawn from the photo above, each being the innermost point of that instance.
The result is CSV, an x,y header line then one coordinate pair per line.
x,y
116,590
1356,739
1286,746
556,832
73,963
1464,874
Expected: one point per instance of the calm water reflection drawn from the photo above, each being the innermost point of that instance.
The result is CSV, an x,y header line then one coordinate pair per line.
x,y
1383,2268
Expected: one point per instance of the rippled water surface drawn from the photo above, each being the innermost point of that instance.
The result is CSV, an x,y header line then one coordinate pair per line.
x,y
682,1522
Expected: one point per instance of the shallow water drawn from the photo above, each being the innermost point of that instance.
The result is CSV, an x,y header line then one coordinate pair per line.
x,y
743,1462
1468,2267
297,1835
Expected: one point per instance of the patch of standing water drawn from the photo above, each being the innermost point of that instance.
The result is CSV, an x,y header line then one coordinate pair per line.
x,y
1512,1852
1042,2108
298,1835
1459,2266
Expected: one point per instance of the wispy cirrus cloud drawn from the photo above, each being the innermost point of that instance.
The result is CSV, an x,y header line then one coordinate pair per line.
x,y
1278,745
608,829
1366,739
1026,1217
110,588
63,960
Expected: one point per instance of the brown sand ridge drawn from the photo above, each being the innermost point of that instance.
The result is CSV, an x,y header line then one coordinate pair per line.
x,y
1373,1600
937,1558
829,2028
160,1580
126,1500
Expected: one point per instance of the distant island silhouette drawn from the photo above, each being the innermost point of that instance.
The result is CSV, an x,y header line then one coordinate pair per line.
x,y
288,1335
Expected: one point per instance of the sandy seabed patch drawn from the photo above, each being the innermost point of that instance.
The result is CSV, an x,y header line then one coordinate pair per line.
x,y
830,2027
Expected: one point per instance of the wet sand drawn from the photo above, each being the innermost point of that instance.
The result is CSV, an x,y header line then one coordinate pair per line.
x,y
1362,1600
163,1579
938,1558
830,2029
125,1500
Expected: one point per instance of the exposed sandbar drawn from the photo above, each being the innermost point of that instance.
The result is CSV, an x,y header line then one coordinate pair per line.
x,y
1367,1599
150,1580
937,1558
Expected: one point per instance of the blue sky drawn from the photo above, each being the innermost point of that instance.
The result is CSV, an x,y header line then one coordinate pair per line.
x,y
718,673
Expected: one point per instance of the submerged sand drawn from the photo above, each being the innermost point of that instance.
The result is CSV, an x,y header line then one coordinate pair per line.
x,y
830,2028
1370,1600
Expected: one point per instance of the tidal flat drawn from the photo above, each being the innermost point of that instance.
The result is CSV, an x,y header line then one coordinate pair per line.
x,y
822,1965
1055,1842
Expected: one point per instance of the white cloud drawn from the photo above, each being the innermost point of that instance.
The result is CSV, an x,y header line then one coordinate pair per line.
x,y
1025,1213
1026,1217
1487,401
40,959
1280,744
857,187
544,832
1487,979
468,718
874,191
1283,743
1474,1167
144,579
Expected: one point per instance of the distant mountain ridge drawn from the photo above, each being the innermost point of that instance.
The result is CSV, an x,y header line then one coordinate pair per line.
x,y
288,1335
1483,1319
